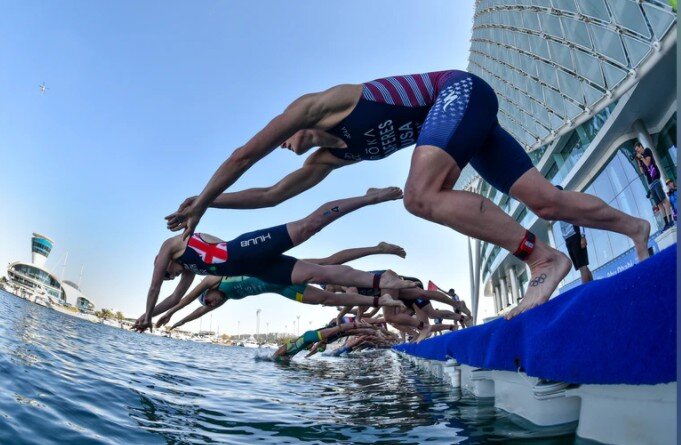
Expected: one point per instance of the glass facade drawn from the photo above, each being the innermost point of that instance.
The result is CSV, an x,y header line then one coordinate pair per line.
x,y
559,68
41,245
553,63
622,186
49,283
564,159
84,304
562,162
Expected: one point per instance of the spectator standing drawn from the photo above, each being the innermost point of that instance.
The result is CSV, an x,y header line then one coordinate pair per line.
x,y
671,194
575,242
647,166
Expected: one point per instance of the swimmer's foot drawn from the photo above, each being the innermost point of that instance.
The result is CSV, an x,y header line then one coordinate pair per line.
x,y
641,239
387,300
391,249
390,280
548,267
425,333
384,194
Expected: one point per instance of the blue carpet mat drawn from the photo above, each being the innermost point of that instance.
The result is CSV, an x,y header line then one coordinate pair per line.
x,y
618,330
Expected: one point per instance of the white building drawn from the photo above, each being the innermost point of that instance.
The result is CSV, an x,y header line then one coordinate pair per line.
x,y
578,82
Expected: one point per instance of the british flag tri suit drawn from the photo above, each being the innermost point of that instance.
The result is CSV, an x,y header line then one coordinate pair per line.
x,y
257,254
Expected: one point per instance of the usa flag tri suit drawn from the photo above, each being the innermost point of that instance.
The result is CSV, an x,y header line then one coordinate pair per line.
x,y
453,110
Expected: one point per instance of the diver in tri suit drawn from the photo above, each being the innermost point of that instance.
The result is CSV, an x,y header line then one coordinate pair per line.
x,y
214,291
451,117
260,254
289,349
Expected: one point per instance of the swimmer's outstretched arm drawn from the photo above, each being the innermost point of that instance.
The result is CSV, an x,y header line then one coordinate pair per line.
x,y
317,167
163,259
198,313
308,112
204,285
186,280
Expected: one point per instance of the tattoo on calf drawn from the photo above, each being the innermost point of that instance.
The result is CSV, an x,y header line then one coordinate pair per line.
x,y
333,210
539,280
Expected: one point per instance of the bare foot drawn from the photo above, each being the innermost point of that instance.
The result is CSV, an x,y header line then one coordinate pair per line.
x,y
387,300
392,249
384,194
425,333
548,268
641,239
390,280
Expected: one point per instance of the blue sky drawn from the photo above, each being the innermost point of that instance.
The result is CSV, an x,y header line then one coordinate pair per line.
x,y
144,101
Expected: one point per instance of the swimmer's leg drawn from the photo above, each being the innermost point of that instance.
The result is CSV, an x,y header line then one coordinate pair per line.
x,y
581,209
314,295
303,229
429,195
443,327
394,317
441,313
347,255
304,272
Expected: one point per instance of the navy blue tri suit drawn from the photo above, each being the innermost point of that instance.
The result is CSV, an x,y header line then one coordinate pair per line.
x,y
257,254
453,110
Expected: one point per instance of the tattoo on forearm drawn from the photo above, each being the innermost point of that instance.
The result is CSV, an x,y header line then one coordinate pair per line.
x,y
539,280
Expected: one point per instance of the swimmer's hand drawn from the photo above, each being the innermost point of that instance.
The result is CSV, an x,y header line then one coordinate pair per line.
x,y
163,320
138,322
186,217
143,326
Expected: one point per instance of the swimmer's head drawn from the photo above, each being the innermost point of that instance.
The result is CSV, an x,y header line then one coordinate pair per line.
x,y
301,141
212,298
173,270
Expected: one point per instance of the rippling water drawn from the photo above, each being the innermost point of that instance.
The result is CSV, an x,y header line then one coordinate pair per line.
x,y
66,380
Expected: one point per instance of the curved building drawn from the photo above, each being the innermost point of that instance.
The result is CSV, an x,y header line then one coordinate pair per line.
x,y
76,298
578,82
31,281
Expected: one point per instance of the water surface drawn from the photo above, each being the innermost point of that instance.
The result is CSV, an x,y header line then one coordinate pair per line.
x,y
66,380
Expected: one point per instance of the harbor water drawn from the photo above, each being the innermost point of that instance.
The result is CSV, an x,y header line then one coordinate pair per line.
x,y
67,380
